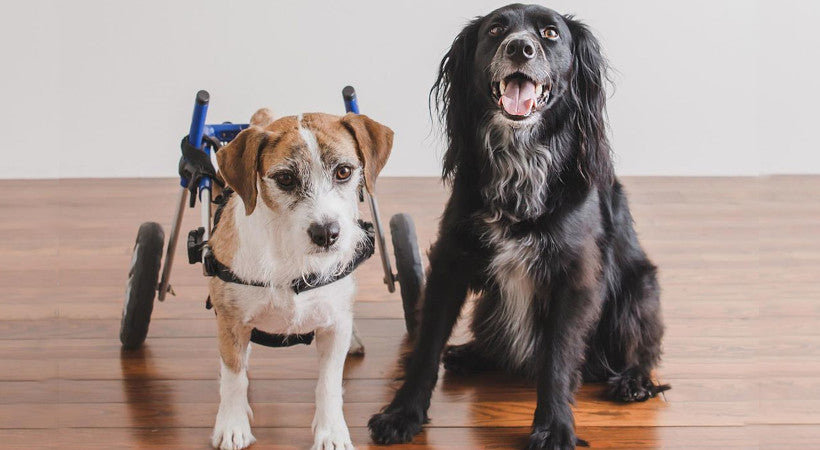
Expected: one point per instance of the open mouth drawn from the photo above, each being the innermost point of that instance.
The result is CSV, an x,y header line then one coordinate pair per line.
x,y
518,95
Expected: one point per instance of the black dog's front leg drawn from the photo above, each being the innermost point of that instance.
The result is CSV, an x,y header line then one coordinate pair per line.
x,y
561,347
450,271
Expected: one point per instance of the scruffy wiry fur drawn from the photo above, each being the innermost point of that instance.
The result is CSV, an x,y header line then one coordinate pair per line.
x,y
538,227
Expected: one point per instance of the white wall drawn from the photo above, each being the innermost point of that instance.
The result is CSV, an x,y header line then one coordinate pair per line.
x,y
103,88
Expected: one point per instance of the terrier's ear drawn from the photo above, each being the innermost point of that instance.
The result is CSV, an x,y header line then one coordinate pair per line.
x,y
262,118
239,164
374,142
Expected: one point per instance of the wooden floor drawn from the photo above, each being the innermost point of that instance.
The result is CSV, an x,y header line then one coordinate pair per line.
x,y
738,259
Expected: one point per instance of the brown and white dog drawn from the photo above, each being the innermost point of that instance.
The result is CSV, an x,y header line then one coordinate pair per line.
x,y
295,213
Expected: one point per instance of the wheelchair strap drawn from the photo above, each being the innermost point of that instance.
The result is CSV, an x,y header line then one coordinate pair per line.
x,y
195,164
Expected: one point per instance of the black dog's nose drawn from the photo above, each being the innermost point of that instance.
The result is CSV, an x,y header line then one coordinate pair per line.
x,y
324,234
520,50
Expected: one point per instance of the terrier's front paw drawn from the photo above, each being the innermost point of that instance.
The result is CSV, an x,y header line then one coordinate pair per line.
x,y
332,438
232,433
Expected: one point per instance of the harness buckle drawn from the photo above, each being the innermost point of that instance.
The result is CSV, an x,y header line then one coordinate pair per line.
x,y
196,242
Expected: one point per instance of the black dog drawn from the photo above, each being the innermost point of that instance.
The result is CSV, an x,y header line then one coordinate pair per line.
x,y
537,225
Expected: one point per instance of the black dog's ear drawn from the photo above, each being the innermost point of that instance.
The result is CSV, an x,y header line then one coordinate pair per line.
x,y
451,92
588,92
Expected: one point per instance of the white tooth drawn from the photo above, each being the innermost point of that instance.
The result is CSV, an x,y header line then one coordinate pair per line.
x,y
502,87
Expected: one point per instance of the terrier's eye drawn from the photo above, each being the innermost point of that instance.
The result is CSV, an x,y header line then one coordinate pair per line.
x,y
550,33
285,179
496,30
343,173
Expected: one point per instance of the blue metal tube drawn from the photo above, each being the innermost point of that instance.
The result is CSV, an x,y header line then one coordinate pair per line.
x,y
351,102
197,130
198,119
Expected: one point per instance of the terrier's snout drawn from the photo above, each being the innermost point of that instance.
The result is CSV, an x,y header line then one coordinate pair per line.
x,y
324,234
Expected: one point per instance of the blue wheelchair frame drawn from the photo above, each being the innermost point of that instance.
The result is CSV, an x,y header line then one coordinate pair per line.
x,y
224,133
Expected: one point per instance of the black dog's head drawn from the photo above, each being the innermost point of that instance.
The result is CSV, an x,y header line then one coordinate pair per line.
x,y
525,52
529,68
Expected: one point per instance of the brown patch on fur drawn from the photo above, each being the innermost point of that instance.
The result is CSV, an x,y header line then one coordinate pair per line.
x,y
374,140
262,118
331,134
238,165
242,160
233,334
224,240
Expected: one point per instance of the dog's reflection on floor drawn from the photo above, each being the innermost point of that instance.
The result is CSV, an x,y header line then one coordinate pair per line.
x,y
149,397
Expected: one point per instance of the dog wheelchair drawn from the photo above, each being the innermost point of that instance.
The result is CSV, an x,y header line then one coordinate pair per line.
x,y
197,177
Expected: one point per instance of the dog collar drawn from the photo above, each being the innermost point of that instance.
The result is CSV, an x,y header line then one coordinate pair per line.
x,y
213,267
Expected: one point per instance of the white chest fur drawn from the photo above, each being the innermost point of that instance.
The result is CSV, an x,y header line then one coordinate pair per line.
x,y
511,267
280,310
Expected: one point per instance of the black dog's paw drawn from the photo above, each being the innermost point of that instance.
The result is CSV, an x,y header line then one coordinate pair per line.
x,y
556,437
633,387
394,426
464,360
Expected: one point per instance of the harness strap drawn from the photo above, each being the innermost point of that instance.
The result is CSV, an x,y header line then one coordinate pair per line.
x,y
280,340
213,267
273,340
194,165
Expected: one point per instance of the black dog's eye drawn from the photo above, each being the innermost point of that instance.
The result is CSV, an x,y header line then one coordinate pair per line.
x,y
285,179
496,30
343,173
550,33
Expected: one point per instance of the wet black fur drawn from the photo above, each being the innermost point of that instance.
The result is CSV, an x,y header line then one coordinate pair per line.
x,y
596,304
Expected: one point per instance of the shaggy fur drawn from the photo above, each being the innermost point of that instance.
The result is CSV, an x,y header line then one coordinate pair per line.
x,y
538,227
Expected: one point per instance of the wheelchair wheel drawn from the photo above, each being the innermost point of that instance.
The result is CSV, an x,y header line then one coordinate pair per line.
x,y
143,277
409,267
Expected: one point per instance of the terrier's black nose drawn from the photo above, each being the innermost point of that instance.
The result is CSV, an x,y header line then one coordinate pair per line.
x,y
520,50
324,234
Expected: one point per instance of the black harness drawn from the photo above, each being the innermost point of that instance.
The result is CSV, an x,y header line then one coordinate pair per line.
x,y
198,251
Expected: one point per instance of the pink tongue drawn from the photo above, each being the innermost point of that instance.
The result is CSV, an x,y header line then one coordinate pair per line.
x,y
519,97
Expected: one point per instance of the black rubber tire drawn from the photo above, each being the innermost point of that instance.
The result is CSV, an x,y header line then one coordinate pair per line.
x,y
143,277
409,267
